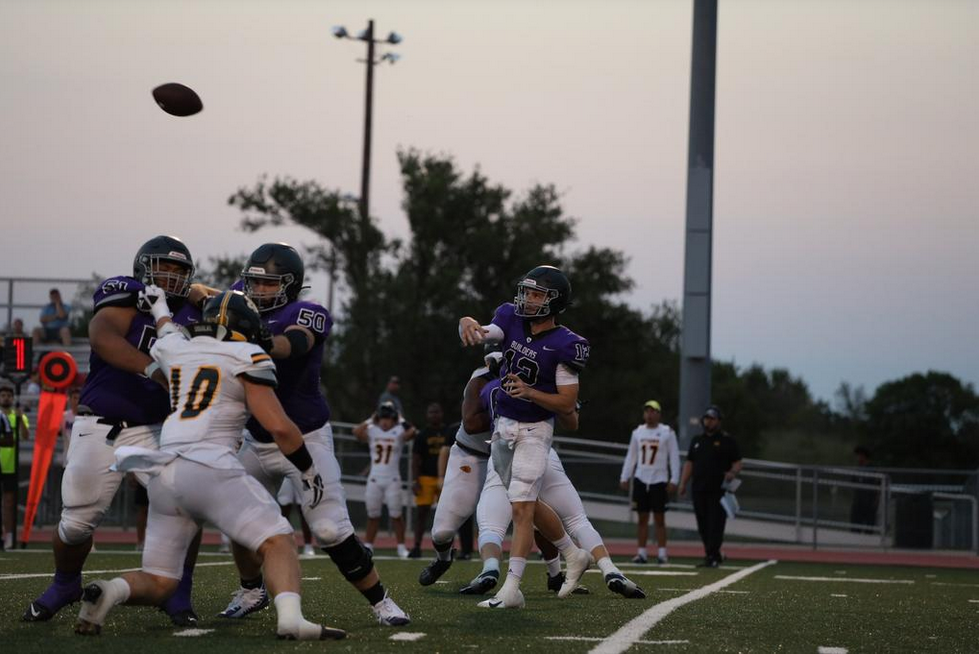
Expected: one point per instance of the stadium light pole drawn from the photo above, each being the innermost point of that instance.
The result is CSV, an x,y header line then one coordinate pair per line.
x,y
393,38
695,361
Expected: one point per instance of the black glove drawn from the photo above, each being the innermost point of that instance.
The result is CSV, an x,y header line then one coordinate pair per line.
x,y
265,338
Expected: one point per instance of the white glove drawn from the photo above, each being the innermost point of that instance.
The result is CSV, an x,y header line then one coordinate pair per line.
x,y
156,299
313,488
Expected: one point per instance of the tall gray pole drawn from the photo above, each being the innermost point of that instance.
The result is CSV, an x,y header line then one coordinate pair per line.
x,y
365,174
695,341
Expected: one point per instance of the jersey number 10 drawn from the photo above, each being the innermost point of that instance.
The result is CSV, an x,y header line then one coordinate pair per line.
x,y
202,389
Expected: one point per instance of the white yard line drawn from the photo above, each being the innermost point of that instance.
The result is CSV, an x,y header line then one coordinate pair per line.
x,y
633,630
944,583
735,592
97,572
653,573
193,633
837,595
848,580
638,642
822,649
409,636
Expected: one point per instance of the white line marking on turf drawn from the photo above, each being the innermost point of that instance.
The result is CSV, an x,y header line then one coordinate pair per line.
x,y
831,650
408,636
99,572
633,630
311,578
639,642
945,583
837,595
653,573
735,592
849,579
193,633
973,601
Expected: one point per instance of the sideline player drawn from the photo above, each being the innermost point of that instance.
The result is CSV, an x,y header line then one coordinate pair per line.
x,y
120,405
386,437
653,448
217,376
272,278
542,360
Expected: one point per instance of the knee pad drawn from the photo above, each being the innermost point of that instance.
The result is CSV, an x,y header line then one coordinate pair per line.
x,y
352,559
73,531
325,530
440,537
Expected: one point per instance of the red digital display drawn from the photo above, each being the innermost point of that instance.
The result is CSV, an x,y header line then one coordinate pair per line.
x,y
17,354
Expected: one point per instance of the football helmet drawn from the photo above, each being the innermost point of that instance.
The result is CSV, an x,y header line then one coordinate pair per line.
x,y
236,317
387,410
164,249
493,357
548,280
278,263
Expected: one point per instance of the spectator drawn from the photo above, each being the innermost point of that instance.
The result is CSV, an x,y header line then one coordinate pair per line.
x,y
391,394
712,460
16,328
654,460
54,322
13,428
863,509
425,469
67,421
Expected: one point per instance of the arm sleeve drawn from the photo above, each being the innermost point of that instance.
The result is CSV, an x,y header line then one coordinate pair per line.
x,y
575,354
117,292
674,452
565,376
310,315
629,465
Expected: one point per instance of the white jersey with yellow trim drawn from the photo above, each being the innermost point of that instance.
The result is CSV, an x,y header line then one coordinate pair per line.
x,y
653,456
207,396
385,450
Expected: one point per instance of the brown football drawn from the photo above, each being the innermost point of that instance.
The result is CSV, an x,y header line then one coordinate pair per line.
x,y
177,99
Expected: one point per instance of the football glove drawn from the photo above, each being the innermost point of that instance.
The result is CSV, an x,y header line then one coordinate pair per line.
x,y
153,296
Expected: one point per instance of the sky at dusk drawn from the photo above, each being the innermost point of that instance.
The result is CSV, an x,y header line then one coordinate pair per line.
x,y
846,207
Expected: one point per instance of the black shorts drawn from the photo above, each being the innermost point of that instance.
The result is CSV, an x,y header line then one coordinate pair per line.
x,y
8,482
651,498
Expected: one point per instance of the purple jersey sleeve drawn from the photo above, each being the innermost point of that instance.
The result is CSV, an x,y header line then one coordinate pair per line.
x,y
487,397
310,315
504,315
117,292
575,353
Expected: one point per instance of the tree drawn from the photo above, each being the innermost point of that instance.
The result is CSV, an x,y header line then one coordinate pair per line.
x,y
924,420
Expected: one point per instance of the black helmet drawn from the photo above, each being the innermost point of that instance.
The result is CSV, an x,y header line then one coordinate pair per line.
x,y
553,283
236,317
274,262
169,249
387,410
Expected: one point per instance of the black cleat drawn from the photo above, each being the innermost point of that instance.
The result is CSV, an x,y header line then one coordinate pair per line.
x,y
37,613
618,583
415,553
184,618
554,585
485,582
326,633
431,573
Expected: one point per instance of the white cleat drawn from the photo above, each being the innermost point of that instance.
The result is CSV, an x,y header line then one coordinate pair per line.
x,y
97,599
576,564
245,601
308,551
506,598
390,614
307,630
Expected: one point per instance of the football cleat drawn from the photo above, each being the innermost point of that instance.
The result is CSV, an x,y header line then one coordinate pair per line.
x,y
554,585
97,599
507,598
640,559
390,614
576,564
618,583
38,612
662,560
183,618
484,583
310,631
245,601
431,573
415,553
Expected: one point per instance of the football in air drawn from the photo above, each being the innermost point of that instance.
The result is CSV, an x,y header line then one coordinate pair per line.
x,y
177,99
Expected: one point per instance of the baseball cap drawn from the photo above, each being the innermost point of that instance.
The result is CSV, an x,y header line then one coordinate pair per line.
x,y
712,412
652,404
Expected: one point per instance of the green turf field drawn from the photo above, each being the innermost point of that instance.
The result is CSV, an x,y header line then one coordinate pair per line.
x,y
768,610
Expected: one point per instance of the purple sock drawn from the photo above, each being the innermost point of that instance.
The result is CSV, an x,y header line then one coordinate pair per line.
x,y
180,600
66,588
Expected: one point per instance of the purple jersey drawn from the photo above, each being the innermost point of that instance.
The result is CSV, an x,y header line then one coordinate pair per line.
x,y
488,397
299,379
116,394
534,358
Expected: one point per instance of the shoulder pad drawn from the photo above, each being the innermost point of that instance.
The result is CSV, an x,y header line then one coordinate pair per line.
x,y
117,292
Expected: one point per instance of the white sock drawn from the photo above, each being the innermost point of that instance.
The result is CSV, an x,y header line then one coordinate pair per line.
x,y
606,566
401,549
288,610
641,552
120,588
553,566
491,563
662,552
516,567
565,545
369,546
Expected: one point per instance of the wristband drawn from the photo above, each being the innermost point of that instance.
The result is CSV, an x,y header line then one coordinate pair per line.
x,y
298,343
301,458
150,368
